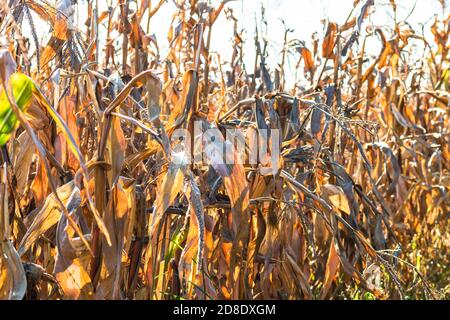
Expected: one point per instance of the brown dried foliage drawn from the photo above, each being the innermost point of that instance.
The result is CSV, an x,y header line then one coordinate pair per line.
x,y
359,208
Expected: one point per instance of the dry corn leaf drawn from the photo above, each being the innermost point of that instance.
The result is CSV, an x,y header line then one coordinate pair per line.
x,y
50,214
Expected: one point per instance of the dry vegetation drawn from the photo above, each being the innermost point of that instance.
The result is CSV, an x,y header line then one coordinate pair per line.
x,y
93,208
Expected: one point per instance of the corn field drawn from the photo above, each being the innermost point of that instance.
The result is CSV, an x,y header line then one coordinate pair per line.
x,y
98,202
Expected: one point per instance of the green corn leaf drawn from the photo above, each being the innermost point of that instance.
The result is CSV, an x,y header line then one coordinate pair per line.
x,y
22,88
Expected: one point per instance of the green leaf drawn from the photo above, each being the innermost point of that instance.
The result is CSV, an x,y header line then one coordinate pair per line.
x,y
22,88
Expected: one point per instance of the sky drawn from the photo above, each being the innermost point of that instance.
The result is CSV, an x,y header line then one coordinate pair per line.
x,y
303,16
